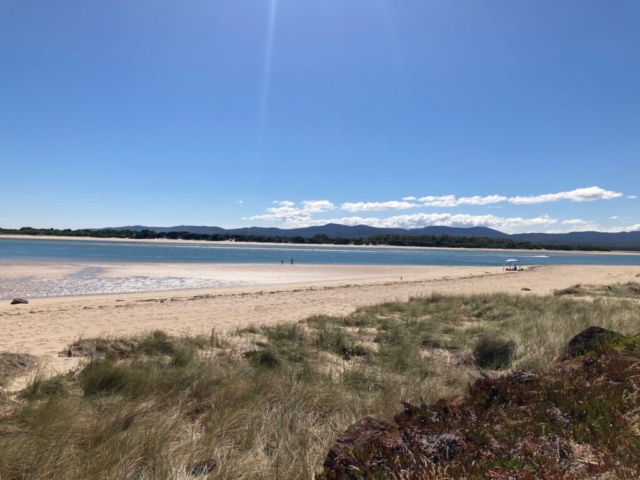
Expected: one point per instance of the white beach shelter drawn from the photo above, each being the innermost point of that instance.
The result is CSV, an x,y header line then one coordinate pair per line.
x,y
512,265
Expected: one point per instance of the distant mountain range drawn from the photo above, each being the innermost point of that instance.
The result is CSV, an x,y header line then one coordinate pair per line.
x,y
620,240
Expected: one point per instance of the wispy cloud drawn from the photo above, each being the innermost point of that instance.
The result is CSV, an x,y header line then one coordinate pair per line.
x,y
588,194
575,221
453,201
377,206
632,197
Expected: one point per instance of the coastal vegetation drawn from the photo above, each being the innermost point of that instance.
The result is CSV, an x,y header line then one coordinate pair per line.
x,y
447,241
268,401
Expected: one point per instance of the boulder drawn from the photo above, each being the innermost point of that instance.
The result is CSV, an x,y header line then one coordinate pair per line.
x,y
589,339
18,301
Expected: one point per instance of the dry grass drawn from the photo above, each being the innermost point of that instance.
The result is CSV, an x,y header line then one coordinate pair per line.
x,y
13,364
268,401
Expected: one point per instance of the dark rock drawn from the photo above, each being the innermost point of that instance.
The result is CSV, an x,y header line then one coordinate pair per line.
x,y
375,430
589,339
204,467
439,448
604,288
567,291
100,347
18,301
525,289
523,376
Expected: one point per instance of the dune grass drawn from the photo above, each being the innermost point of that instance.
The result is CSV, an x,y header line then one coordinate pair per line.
x,y
267,401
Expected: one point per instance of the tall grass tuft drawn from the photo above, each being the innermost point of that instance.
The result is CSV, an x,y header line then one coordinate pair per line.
x,y
495,353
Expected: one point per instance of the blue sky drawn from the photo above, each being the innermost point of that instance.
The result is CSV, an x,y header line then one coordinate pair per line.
x,y
521,116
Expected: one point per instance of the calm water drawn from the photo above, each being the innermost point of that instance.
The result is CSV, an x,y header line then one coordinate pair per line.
x,y
68,251
94,257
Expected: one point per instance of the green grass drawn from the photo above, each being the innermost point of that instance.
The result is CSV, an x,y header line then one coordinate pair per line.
x,y
268,401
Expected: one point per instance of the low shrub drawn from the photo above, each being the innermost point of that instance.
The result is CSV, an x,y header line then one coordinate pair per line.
x,y
494,352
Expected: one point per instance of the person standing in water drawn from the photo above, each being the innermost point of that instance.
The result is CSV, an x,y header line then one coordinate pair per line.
x,y
292,261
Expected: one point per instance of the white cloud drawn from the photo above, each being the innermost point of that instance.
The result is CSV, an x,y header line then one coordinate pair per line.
x,y
295,219
453,201
317,206
481,200
575,221
588,194
630,228
577,225
239,201
441,201
377,206
632,197
615,217
291,215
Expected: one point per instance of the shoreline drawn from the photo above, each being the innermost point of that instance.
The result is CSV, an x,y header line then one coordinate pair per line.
x,y
319,245
212,277
45,326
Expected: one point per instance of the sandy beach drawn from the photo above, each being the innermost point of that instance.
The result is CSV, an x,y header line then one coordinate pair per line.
x,y
45,326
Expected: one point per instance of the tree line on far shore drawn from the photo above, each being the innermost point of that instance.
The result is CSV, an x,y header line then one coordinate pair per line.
x,y
320,239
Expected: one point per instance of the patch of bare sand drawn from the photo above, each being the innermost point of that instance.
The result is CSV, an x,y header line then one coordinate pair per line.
x,y
45,326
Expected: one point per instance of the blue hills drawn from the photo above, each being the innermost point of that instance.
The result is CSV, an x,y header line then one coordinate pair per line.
x,y
333,230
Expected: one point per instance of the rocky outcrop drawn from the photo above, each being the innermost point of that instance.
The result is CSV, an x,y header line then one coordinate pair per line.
x,y
370,432
19,301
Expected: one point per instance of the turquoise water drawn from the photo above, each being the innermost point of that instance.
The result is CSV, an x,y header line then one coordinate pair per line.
x,y
96,251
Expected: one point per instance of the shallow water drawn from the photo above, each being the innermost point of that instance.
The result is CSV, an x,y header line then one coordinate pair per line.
x,y
91,282
88,267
